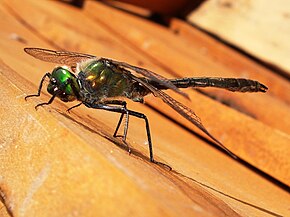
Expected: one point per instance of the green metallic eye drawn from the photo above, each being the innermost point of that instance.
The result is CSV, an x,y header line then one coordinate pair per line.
x,y
61,74
64,83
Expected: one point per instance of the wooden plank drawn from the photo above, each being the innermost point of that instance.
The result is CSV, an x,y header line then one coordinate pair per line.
x,y
231,135
258,28
58,164
56,169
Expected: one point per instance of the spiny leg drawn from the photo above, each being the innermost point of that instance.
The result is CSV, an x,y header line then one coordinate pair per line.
x,y
46,103
124,104
124,110
126,127
118,125
40,86
124,137
142,116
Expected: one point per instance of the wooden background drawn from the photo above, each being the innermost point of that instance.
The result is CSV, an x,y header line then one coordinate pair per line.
x,y
59,164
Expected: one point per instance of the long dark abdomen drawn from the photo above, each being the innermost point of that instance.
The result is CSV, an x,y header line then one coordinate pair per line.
x,y
231,84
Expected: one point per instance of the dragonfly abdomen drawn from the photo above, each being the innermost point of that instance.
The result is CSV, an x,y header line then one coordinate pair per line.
x,y
231,84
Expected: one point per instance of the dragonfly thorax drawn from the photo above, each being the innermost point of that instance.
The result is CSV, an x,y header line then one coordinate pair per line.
x,y
63,84
101,80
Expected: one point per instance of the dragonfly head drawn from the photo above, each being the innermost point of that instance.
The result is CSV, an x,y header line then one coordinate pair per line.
x,y
64,84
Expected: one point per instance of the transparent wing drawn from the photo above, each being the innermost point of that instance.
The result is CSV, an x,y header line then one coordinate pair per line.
x,y
60,57
151,75
183,111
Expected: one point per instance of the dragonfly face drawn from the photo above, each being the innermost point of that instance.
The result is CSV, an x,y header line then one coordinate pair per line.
x,y
63,84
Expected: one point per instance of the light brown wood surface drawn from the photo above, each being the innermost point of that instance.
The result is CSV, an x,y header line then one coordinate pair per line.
x,y
261,28
59,164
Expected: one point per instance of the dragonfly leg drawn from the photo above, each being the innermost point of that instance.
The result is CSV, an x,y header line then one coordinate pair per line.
x,y
124,137
144,117
40,86
124,105
77,105
118,125
126,127
124,110
46,103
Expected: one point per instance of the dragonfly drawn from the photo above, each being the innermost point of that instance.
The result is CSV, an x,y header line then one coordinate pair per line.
x,y
102,83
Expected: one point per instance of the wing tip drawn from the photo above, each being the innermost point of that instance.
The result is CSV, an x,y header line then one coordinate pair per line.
x,y
26,49
230,153
185,95
29,50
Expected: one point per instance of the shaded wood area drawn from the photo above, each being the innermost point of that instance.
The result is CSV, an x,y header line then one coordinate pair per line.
x,y
59,164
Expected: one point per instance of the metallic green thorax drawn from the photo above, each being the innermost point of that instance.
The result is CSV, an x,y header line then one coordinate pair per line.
x,y
101,80
105,80
64,83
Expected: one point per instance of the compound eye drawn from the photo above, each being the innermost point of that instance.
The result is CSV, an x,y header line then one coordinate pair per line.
x,y
53,80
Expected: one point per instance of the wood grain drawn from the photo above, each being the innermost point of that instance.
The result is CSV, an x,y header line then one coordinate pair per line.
x,y
260,29
60,164
50,25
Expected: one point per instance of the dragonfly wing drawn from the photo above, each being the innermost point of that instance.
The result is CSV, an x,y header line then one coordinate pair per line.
x,y
184,111
191,116
151,75
60,57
